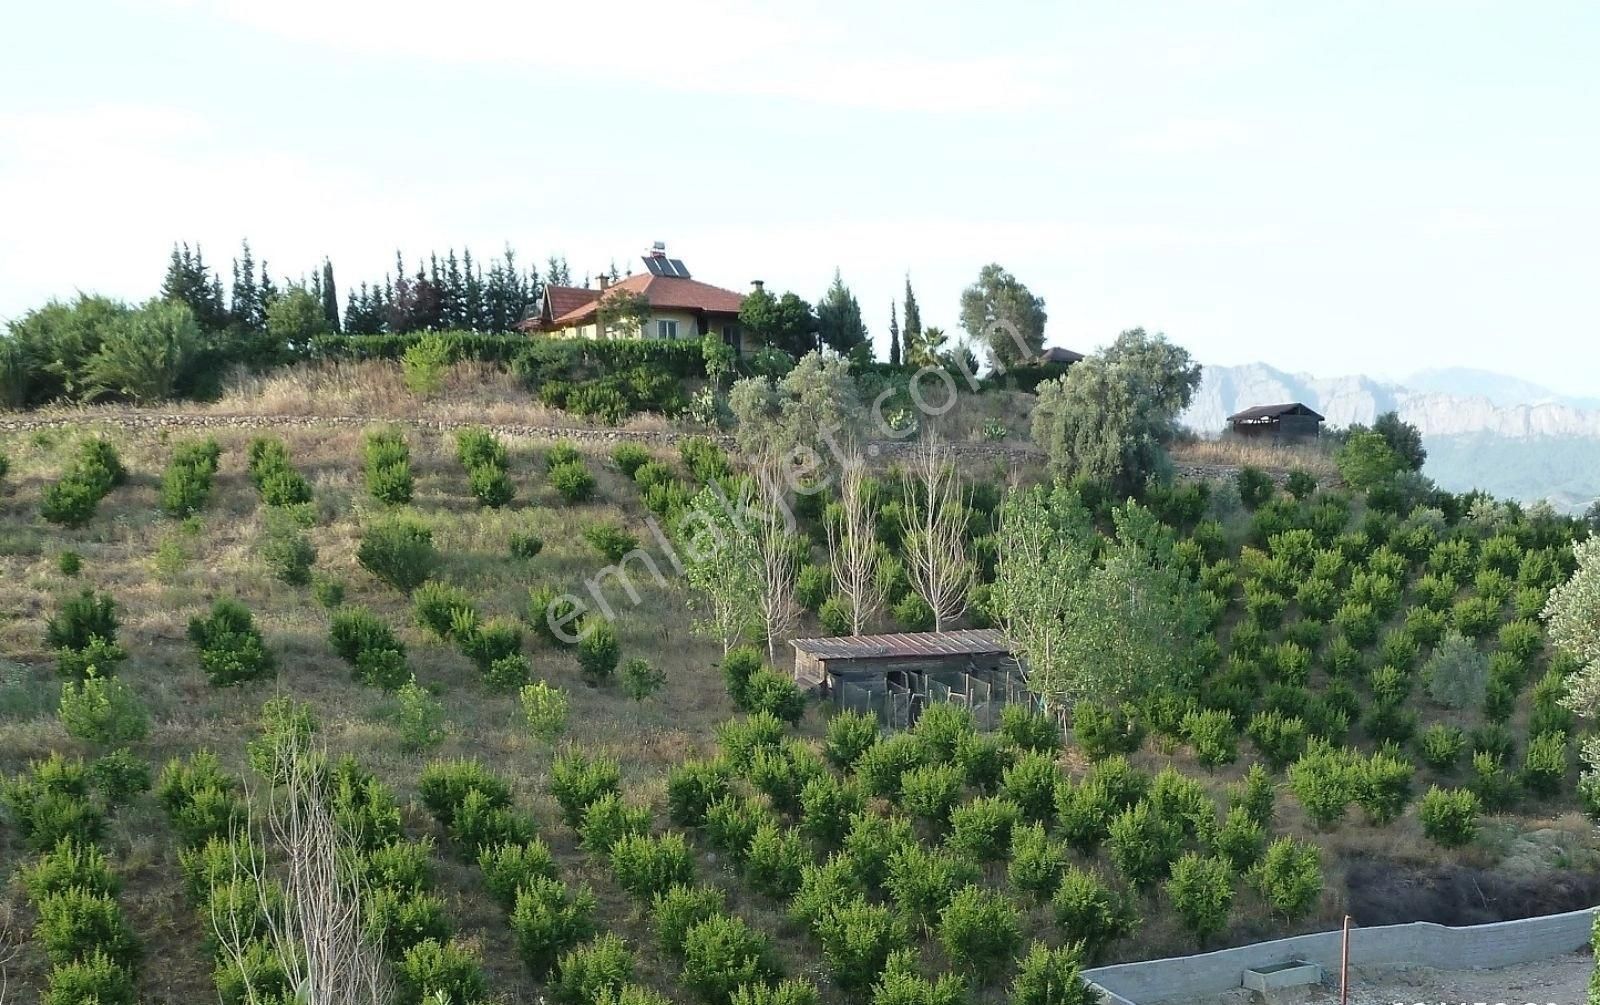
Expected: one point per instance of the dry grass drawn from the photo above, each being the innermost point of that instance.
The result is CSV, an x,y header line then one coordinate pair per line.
x,y
1235,452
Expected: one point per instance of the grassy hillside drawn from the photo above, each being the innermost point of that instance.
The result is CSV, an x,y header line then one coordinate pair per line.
x,y
1278,649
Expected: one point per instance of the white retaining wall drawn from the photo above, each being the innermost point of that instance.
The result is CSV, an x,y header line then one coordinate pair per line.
x,y
1500,944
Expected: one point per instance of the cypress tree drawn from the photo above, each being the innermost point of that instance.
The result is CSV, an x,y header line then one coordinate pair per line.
x,y
913,324
894,336
472,293
246,307
330,296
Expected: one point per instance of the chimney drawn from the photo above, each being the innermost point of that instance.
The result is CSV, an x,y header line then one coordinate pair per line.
x,y
758,284
605,281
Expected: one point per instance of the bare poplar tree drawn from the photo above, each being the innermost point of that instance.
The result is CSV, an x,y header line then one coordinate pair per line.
x,y
776,568
317,932
937,563
852,545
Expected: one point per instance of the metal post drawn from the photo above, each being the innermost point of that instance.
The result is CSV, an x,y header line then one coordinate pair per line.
x,y
1344,965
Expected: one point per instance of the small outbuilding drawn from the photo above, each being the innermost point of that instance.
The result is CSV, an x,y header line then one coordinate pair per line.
x,y
896,676
1289,421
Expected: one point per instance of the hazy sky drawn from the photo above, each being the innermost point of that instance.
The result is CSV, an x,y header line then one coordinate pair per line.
x,y
1346,187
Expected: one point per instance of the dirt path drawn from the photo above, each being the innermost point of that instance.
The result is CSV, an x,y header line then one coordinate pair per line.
x,y
1563,980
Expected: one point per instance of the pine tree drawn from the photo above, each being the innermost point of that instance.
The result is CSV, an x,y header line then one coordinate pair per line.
x,y
556,272
188,282
472,293
839,318
451,295
912,339
246,309
330,296
894,336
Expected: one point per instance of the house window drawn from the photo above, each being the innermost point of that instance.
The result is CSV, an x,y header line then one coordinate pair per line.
x,y
730,335
666,329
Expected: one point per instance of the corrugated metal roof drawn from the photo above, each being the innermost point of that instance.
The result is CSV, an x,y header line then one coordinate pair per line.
x,y
963,643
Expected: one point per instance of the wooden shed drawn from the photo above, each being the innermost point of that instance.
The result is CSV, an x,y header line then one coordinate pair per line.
x,y
896,676
1289,421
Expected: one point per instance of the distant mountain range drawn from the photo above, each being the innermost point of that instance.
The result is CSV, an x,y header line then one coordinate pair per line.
x,y
1482,429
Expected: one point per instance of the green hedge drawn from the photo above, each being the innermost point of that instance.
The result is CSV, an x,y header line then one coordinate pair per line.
x,y
531,353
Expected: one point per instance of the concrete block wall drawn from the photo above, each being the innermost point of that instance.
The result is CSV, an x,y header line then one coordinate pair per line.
x,y
1500,944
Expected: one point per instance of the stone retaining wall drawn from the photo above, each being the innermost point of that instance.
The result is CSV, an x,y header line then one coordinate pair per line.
x,y
1501,944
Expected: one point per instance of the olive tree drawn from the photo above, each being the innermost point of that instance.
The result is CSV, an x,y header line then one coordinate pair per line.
x,y
1110,417
1572,616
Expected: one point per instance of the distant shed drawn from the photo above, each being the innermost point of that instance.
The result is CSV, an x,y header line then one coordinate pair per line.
x,y
1289,421
897,675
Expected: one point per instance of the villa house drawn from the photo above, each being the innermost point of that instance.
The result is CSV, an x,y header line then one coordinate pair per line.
x,y
680,306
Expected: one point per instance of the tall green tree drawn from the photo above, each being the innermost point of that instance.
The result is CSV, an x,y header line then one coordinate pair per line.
x,y
190,281
147,353
59,340
839,323
894,336
1572,615
781,322
1004,316
1111,416
246,309
293,320
913,322
330,297
815,406
1402,437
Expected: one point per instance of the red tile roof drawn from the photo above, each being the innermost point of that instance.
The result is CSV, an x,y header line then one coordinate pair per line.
x,y
565,299
571,306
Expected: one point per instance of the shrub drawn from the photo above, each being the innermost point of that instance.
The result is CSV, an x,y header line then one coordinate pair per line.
x,y
1241,839
1211,735
608,820
1143,844
96,979
773,860
548,919
80,620
849,735
647,867
676,910
77,923
387,466
1475,617
902,982
399,551
813,584
913,614
1495,741
1201,889
1383,786
598,648
102,711
1544,765
1450,816
445,785
477,447
572,481
328,592
640,680
1030,782
826,806
740,739
1389,685
423,365
691,789
1279,738
356,630
871,842
525,545
1358,622
509,868
1521,640
1457,673
1255,486
286,549
1290,877
486,643
722,953
1037,861
99,658
595,970
231,649
921,880
982,827
577,780
1440,746
119,776
1255,793
1048,976
436,607
611,541
781,773
491,486
738,665
1089,913
774,693
69,562
186,482
1102,731
979,931
1026,729
432,968
1323,780
856,940
629,457
67,866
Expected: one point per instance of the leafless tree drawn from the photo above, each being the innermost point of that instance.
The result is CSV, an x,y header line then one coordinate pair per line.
x,y
315,926
937,563
770,523
10,947
852,545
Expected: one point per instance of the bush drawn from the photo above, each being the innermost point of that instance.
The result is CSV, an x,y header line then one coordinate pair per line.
x,y
594,970
1255,486
525,545
913,614
826,806
680,908
982,827
738,665
328,592
611,541
1089,913
399,551
1450,816
1102,731
1201,889
1280,739
1475,617
871,842
231,649
431,968
691,789
487,642
647,867
103,711
436,607
356,630
388,466
75,924
548,919
1030,782
69,865
1457,673
69,562
775,694
629,457
1440,746
1026,729
1037,861
773,860
576,781
572,481
491,486
1383,786
1323,780
286,549
1143,844
186,482
1241,839
857,939
1290,877
979,931
598,648
445,785
921,880
99,658
849,735
640,680
509,868
94,980
608,820
80,620
1358,622
1255,793
1211,735
1544,765
722,953
1521,640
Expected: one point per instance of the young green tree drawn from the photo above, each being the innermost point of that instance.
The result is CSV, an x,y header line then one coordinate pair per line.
x,y
622,313
294,319
1110,417
147,354
721,564
1572,617
894,336
787,322
839,323
1004,316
